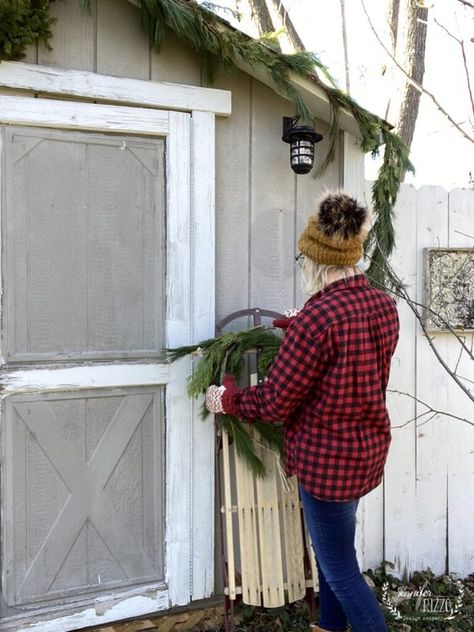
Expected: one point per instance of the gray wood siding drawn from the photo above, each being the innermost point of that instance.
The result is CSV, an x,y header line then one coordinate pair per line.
x,y
83,492
261,206
84,244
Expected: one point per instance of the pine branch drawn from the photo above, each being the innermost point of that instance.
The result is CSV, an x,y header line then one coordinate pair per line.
x,y
226,354
381,239
22,23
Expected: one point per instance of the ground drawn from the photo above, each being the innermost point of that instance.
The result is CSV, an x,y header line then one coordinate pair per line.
x,y
439,591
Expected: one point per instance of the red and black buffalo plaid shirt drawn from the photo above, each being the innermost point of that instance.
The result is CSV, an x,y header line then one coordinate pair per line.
x,y
327,384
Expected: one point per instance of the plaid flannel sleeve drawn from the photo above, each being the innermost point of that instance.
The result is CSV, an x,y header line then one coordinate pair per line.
x,y
299,363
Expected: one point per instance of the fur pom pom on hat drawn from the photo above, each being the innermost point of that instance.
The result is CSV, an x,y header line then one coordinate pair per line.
x,y
336,232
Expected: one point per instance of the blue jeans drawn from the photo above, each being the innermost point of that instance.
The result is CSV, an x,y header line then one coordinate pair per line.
x,y
344,596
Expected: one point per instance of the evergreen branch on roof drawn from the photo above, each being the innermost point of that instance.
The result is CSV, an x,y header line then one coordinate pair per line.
x,y
23,22
221,47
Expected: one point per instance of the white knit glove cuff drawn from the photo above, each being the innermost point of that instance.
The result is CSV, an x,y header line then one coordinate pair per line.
x,y
214,399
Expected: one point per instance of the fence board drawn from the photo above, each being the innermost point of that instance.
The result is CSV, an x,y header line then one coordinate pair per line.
x,y
432,386
399,478
460,444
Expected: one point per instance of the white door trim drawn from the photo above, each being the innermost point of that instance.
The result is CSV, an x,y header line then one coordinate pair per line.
x,y
84,84
77,115
189,527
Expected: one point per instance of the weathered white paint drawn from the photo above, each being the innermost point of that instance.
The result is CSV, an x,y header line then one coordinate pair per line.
x,y
460,441
83,84
190,313
399,479
75,115
203,298
103,610
179,407
432,384
61,378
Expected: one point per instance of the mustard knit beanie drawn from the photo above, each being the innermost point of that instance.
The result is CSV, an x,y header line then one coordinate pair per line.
x,y
336,232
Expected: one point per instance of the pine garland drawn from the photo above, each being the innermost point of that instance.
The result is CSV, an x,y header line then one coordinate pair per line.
x,y
23,22
226,354
220,46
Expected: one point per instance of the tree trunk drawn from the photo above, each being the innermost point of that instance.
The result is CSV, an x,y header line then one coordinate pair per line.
x,y
293,35
393,19
262,16
415,66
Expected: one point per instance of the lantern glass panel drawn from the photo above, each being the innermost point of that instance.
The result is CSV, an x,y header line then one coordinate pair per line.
x,y
306,151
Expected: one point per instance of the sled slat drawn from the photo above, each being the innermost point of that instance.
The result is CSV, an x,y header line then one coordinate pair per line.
x,y
269,533
312,560
229,532
248,535
293,536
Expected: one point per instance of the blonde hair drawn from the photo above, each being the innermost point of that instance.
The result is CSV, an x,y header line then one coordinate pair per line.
x,y
315,276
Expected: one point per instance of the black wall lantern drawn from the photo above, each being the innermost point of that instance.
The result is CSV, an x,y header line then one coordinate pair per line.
x,y
302,139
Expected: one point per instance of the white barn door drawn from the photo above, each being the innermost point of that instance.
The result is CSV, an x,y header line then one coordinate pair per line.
x,y
98,267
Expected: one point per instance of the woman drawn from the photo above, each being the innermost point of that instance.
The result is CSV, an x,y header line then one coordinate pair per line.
x,y
327,384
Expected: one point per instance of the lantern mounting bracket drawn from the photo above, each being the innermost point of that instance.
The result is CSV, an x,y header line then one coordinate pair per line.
x,y
290,128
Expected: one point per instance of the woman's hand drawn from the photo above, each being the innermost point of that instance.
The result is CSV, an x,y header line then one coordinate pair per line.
x,y
288,316
220,400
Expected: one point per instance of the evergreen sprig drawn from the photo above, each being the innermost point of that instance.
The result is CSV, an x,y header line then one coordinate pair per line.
x,y
381,239
23,22
226,354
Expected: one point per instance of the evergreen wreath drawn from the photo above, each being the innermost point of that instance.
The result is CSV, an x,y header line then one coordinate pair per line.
x,y
226,354
221,46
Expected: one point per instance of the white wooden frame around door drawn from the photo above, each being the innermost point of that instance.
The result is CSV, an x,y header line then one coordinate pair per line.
x,y
189,527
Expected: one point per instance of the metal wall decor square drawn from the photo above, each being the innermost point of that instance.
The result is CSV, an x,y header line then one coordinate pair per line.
x,y
449,289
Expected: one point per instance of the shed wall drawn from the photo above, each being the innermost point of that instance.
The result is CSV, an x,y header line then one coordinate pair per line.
x,y
261,205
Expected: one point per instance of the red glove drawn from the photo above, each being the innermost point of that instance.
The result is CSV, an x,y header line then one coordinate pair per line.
x,y
289,316
220,400
282,323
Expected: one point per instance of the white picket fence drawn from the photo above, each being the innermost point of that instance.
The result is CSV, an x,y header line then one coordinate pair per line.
x,y
423,515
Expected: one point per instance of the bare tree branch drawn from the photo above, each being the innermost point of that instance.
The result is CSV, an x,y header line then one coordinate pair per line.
x,y
429,410
413,82
466,3
464,57
344,43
